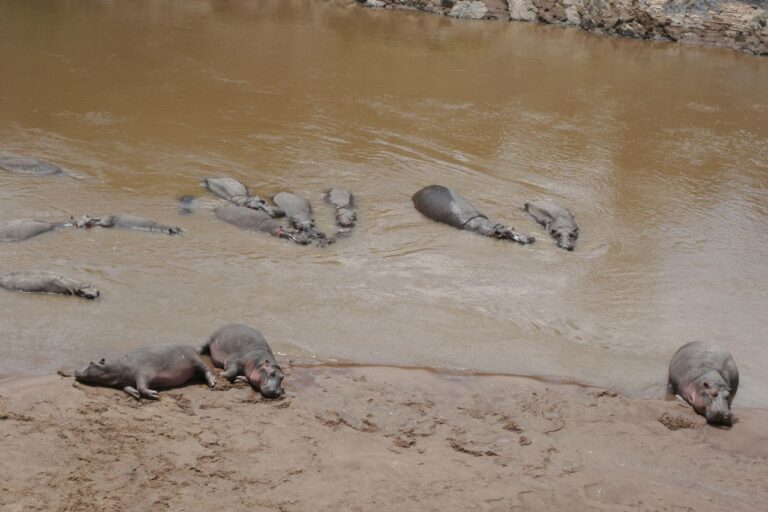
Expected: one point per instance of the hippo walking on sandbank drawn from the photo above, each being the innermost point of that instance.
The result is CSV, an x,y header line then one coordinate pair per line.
x,y
127,222
344,202
446,205
161,366
237,193
22,229
706,377
299,213
557,220
46,282
28,166
244,354
260,222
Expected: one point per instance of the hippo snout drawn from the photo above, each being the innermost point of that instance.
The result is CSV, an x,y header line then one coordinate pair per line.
x,y
79,374
724,418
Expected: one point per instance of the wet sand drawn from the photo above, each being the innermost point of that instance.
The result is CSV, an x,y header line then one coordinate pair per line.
x,y
372,438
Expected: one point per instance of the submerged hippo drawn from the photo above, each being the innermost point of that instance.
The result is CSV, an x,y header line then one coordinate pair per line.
x,y
299,213
237,193
243,351
344,202
558,221
162,366
706,377
446,205
46,282
127,221
29,166
21,229
260,222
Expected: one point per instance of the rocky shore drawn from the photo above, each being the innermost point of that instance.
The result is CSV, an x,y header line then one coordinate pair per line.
x,y
737,24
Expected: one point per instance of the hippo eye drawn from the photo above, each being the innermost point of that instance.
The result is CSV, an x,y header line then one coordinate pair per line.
x,y
706,385
572,236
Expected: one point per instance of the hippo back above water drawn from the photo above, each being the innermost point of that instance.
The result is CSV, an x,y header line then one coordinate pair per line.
x,y
40,281
28,166
258,221
22,229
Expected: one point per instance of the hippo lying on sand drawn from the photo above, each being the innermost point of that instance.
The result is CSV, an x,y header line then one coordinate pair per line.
x,y
558,221
243,351
446,205
344,202
17,230
46,282
299,213
162,366
127,221
706,377
29,166
260,222
237,193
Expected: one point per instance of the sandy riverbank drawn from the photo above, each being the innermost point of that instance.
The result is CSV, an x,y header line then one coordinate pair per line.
x,y
372,439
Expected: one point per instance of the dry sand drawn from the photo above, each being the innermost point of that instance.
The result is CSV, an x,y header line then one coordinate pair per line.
x,y
372,439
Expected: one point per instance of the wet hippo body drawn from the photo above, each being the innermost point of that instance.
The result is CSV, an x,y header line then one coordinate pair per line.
x,y
706,377
237,193
446,205
299,213
21,229
244,352
29,166
558,221
344,202
128,222
258,221
155,366
46,282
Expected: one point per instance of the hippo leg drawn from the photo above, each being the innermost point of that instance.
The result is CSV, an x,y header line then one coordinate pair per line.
x,y
142,386
132,391
242,379
230,372
207,373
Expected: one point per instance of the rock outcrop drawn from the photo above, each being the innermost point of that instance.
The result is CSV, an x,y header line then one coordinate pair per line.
x,y
738,24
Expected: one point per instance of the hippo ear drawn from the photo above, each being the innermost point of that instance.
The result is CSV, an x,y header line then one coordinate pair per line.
x,y
102,361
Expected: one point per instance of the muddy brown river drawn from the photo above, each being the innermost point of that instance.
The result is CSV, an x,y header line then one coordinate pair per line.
x,y
660,150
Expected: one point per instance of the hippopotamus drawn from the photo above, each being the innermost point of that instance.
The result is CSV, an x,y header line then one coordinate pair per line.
x,y
244,354
706,377
344,202
445,205
299,213
127,221
163,366
46,282
260,222
237,193
21,229
558,221
29,166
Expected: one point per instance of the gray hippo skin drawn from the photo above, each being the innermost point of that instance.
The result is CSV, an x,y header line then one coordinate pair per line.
x,y
706,377
558,221
237,193
29,166
299,213
446,205
259,222
344,202
46,282
128,222
21,229
244,352
162,366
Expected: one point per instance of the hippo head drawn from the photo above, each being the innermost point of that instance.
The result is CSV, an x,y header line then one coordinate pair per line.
x,y
565,237
257,203
87,292
267,379
293,235
711,397
345,218
98,373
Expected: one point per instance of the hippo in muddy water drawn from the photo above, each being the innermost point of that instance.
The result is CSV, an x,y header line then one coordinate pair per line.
x,y
244,354
21,229
128,222
706,377
237,193
344,202
558,221
299,213
446,205
260,222
162,366
29,166
46,282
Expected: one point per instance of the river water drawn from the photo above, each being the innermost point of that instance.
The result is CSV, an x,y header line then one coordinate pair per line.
x,y
660,150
